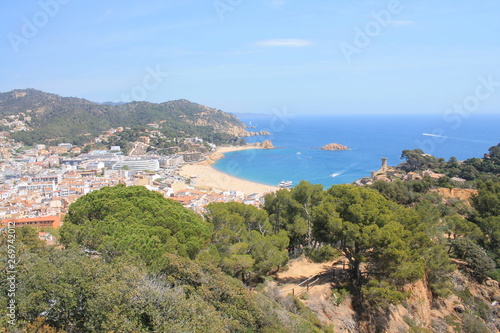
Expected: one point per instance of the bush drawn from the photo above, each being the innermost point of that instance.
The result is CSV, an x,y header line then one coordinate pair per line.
x,y
323,254
381,294
339,295
472,324
304,296
495,275
477,259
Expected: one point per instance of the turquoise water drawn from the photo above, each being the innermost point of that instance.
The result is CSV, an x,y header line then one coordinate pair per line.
x,y
369,137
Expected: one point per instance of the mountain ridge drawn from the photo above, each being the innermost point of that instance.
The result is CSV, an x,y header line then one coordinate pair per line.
x,y
51,118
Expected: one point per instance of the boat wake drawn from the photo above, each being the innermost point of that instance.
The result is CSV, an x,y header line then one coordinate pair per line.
x,y
435,135
459,139
347,170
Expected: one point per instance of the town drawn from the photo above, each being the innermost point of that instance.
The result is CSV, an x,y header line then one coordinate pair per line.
x,y
37,184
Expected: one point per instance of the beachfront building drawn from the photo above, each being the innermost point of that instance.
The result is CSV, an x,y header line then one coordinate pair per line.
x,y
171,162
138,164
191,157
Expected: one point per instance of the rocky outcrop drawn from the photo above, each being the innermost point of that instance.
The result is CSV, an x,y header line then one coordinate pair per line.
x,y
455,193
334,146
258,133
236,131
222,127
267,144
216,156
210,159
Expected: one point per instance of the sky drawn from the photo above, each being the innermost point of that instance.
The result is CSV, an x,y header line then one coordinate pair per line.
x,y
310,57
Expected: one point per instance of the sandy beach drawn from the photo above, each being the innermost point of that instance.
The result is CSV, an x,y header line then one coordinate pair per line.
x,y
204,176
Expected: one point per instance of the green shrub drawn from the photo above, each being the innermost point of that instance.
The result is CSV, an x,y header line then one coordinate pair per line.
x,y
472,324
339,295
381,294
323,254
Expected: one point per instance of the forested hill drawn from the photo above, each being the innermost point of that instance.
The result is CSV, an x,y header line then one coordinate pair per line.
x,y
51,118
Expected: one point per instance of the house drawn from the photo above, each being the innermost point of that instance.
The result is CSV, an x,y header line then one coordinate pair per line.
x,y
37,222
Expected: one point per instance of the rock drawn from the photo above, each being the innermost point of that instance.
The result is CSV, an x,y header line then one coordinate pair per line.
x,y
266,145
216,156
210,159
491,283
258,133
334,146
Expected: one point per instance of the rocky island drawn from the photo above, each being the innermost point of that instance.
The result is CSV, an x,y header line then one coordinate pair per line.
x,y
267,144
334,146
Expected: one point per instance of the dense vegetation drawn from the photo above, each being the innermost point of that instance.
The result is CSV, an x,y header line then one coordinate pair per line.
x,y
395,233
56,119
244,242
118,220
470,169
392,242
135,261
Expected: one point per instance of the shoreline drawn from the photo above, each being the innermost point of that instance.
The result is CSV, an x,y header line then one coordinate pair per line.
x,y
205,176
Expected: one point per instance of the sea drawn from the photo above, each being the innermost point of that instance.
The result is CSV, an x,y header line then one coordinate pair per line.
x,y
369,137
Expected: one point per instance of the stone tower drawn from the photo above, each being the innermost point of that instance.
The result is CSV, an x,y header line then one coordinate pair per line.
x,y
384,164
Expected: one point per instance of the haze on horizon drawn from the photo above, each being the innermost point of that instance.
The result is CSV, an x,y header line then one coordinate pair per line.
x,y
394,56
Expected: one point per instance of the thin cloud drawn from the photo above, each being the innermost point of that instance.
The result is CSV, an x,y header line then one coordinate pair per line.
x,y
284,43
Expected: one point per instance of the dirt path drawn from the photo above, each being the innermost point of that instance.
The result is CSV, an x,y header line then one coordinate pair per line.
x,y
318,298
302,269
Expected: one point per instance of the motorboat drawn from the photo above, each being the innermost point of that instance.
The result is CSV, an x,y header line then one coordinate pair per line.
x,y
285,183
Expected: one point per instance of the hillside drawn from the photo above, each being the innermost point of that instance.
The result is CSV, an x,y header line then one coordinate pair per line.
x,y
50,118
380,262
464,307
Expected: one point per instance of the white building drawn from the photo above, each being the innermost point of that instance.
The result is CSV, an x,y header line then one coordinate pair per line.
x,y
171,162
65,145
136,165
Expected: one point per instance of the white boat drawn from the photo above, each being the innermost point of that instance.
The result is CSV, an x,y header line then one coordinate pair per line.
x,y
284,183
298,153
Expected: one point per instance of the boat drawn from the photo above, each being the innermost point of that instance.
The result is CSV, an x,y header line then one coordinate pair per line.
x,y
298,153
284,184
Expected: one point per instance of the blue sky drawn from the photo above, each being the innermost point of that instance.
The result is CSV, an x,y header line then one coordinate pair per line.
x,y
326,57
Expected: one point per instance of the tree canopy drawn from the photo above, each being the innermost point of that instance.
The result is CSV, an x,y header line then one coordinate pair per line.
x,y
159,267
118,220
244,241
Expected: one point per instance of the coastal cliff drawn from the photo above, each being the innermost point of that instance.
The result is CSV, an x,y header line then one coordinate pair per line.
x,y
334,146
258,133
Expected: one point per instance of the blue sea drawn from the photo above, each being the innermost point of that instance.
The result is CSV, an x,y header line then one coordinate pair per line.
x,y
370,137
